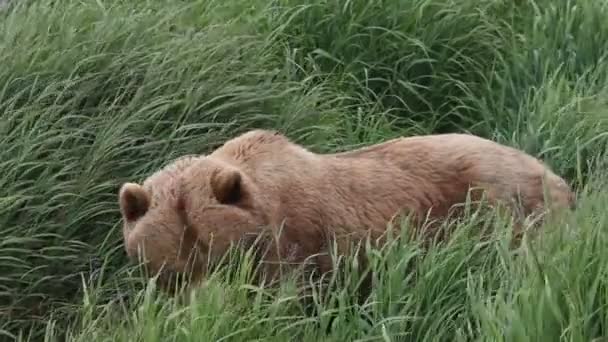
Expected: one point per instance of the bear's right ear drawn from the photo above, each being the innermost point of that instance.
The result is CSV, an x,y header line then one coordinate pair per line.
x,y
134,201
227,186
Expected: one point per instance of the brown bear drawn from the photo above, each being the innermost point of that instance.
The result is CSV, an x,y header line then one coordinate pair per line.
x,y
191,211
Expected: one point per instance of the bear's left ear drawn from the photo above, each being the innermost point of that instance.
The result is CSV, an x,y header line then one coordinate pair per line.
x,y
227,186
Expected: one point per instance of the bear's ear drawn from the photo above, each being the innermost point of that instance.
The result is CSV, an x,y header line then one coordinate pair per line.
x,y
134,201
227,186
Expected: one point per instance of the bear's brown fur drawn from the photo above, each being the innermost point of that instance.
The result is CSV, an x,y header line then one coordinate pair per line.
x,y
192,210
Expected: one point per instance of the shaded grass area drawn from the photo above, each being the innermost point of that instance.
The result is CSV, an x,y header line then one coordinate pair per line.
x,y
97,93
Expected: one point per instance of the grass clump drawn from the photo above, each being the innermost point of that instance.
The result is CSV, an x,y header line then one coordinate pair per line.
x,y
97,93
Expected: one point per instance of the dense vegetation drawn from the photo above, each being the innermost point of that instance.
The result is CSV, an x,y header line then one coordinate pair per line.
x,y
94,93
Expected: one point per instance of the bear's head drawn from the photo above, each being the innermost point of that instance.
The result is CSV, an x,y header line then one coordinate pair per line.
x,y
187,215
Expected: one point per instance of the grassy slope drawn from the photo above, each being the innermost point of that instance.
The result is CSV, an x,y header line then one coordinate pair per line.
x,y
95,94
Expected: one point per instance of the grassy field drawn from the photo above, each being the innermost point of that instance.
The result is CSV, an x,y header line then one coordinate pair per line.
x,y
95,93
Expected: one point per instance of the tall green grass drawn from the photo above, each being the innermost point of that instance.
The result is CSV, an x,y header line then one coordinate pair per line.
x,y
467,290
97,93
